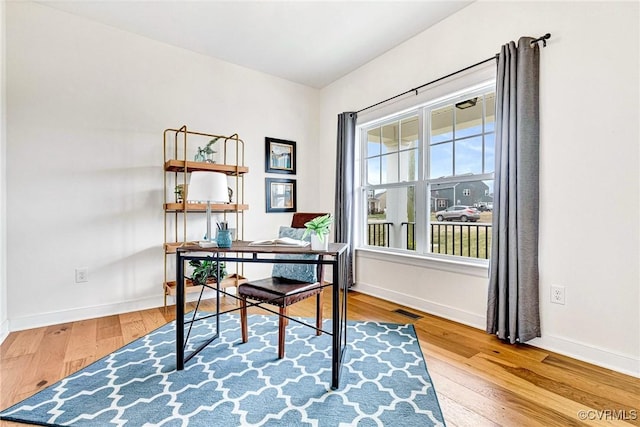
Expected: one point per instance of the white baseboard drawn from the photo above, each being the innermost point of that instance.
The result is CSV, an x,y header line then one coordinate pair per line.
x,y
626,364
84,313
4,330
440,310
605,358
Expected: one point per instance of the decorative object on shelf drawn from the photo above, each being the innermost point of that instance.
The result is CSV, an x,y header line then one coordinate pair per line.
x,y
181,191
205,270
199,157
206,154
319,228
208,187
230,190
280,156
280,194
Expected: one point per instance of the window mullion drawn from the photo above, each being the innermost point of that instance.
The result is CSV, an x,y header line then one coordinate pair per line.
x,y
421,229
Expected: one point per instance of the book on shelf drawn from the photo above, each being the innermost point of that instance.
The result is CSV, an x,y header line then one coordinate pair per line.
x,y
280,241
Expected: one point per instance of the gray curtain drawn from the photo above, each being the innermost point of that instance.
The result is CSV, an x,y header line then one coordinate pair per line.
x,y
513,306
344,196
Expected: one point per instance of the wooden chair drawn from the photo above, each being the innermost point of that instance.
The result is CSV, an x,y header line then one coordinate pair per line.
x,y
286,286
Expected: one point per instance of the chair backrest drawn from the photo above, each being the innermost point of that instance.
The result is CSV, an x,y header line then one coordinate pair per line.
x,y
301,272
300,218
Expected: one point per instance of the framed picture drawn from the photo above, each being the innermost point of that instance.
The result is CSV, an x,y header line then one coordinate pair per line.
x,y
280,156
280,194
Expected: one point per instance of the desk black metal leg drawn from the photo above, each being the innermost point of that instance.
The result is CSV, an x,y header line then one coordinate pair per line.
x,y
337,322
218,280
179,313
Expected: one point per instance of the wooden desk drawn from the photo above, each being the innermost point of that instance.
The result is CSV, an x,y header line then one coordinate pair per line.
x,y
240,251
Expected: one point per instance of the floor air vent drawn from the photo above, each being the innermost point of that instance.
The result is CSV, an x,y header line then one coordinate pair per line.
x,y
407,313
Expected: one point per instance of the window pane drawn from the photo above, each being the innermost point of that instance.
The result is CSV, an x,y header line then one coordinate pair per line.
x,y
442,124
408,165
462,193
373,171
468,156
390,138
490,111
468,117
409,153
389,168
376,204
390,220
373,142
489,153
409,131
441,162
461,217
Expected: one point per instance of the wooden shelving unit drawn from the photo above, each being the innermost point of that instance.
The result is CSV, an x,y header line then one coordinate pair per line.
x,y
180,146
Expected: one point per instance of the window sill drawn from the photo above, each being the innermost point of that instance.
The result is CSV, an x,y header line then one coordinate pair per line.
x,y
478,268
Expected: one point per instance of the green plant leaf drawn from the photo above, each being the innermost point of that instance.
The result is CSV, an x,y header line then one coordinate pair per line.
x,y
206,269
320,225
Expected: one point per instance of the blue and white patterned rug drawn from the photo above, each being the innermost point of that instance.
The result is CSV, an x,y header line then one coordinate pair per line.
x,y
384,381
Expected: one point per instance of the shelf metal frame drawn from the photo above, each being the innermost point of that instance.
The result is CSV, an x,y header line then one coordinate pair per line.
x,y
176,167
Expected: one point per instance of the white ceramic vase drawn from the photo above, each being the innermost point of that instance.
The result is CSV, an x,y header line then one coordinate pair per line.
x,y
317,244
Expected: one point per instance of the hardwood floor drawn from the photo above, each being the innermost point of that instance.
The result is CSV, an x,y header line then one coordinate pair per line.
x,y
479,380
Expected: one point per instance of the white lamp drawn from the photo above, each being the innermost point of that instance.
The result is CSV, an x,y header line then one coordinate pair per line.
x,y
210,187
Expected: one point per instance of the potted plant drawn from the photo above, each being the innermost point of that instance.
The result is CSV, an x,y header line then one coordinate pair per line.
x,y
319,228
206,154
205,270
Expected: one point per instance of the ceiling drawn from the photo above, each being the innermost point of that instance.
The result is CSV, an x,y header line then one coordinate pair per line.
x,y
309,42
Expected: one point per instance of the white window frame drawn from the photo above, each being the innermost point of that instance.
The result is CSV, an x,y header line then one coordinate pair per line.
x,y
419,257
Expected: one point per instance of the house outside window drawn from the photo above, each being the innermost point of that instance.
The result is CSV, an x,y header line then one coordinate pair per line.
x,y
426,160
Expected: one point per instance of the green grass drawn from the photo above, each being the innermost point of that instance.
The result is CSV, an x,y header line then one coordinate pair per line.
x,y
466,241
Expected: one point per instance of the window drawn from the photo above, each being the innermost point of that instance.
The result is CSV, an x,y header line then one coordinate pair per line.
x,y
428,177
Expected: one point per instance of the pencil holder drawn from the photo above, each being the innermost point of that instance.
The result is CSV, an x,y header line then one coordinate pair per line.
x,y
224,238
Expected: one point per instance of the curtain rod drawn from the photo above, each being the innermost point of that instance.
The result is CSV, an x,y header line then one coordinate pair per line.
x,y
542,39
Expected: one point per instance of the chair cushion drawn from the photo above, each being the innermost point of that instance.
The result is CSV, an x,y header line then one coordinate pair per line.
x,y
301,272
277,291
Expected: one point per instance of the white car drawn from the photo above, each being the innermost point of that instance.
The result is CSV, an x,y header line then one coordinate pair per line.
x,y
458,213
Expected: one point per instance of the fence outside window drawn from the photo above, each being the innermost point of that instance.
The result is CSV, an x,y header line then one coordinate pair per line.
x,y
464,239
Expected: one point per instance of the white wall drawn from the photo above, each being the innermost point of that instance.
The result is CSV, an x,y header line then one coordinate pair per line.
x,y
86,108
4,317
589,183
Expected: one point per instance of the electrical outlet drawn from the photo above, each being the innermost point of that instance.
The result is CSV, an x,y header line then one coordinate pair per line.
x,y
82,274
557,294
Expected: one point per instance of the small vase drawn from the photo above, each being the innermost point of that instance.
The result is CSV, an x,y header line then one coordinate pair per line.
x,y
317,244
223,239
199,157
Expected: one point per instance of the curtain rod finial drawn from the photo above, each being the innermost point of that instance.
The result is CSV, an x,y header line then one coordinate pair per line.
x,y
543,39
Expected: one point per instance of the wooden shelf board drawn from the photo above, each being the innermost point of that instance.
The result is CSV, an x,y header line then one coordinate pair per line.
x,y
179,165
170,287
234,280
202,207
170,248
231,280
